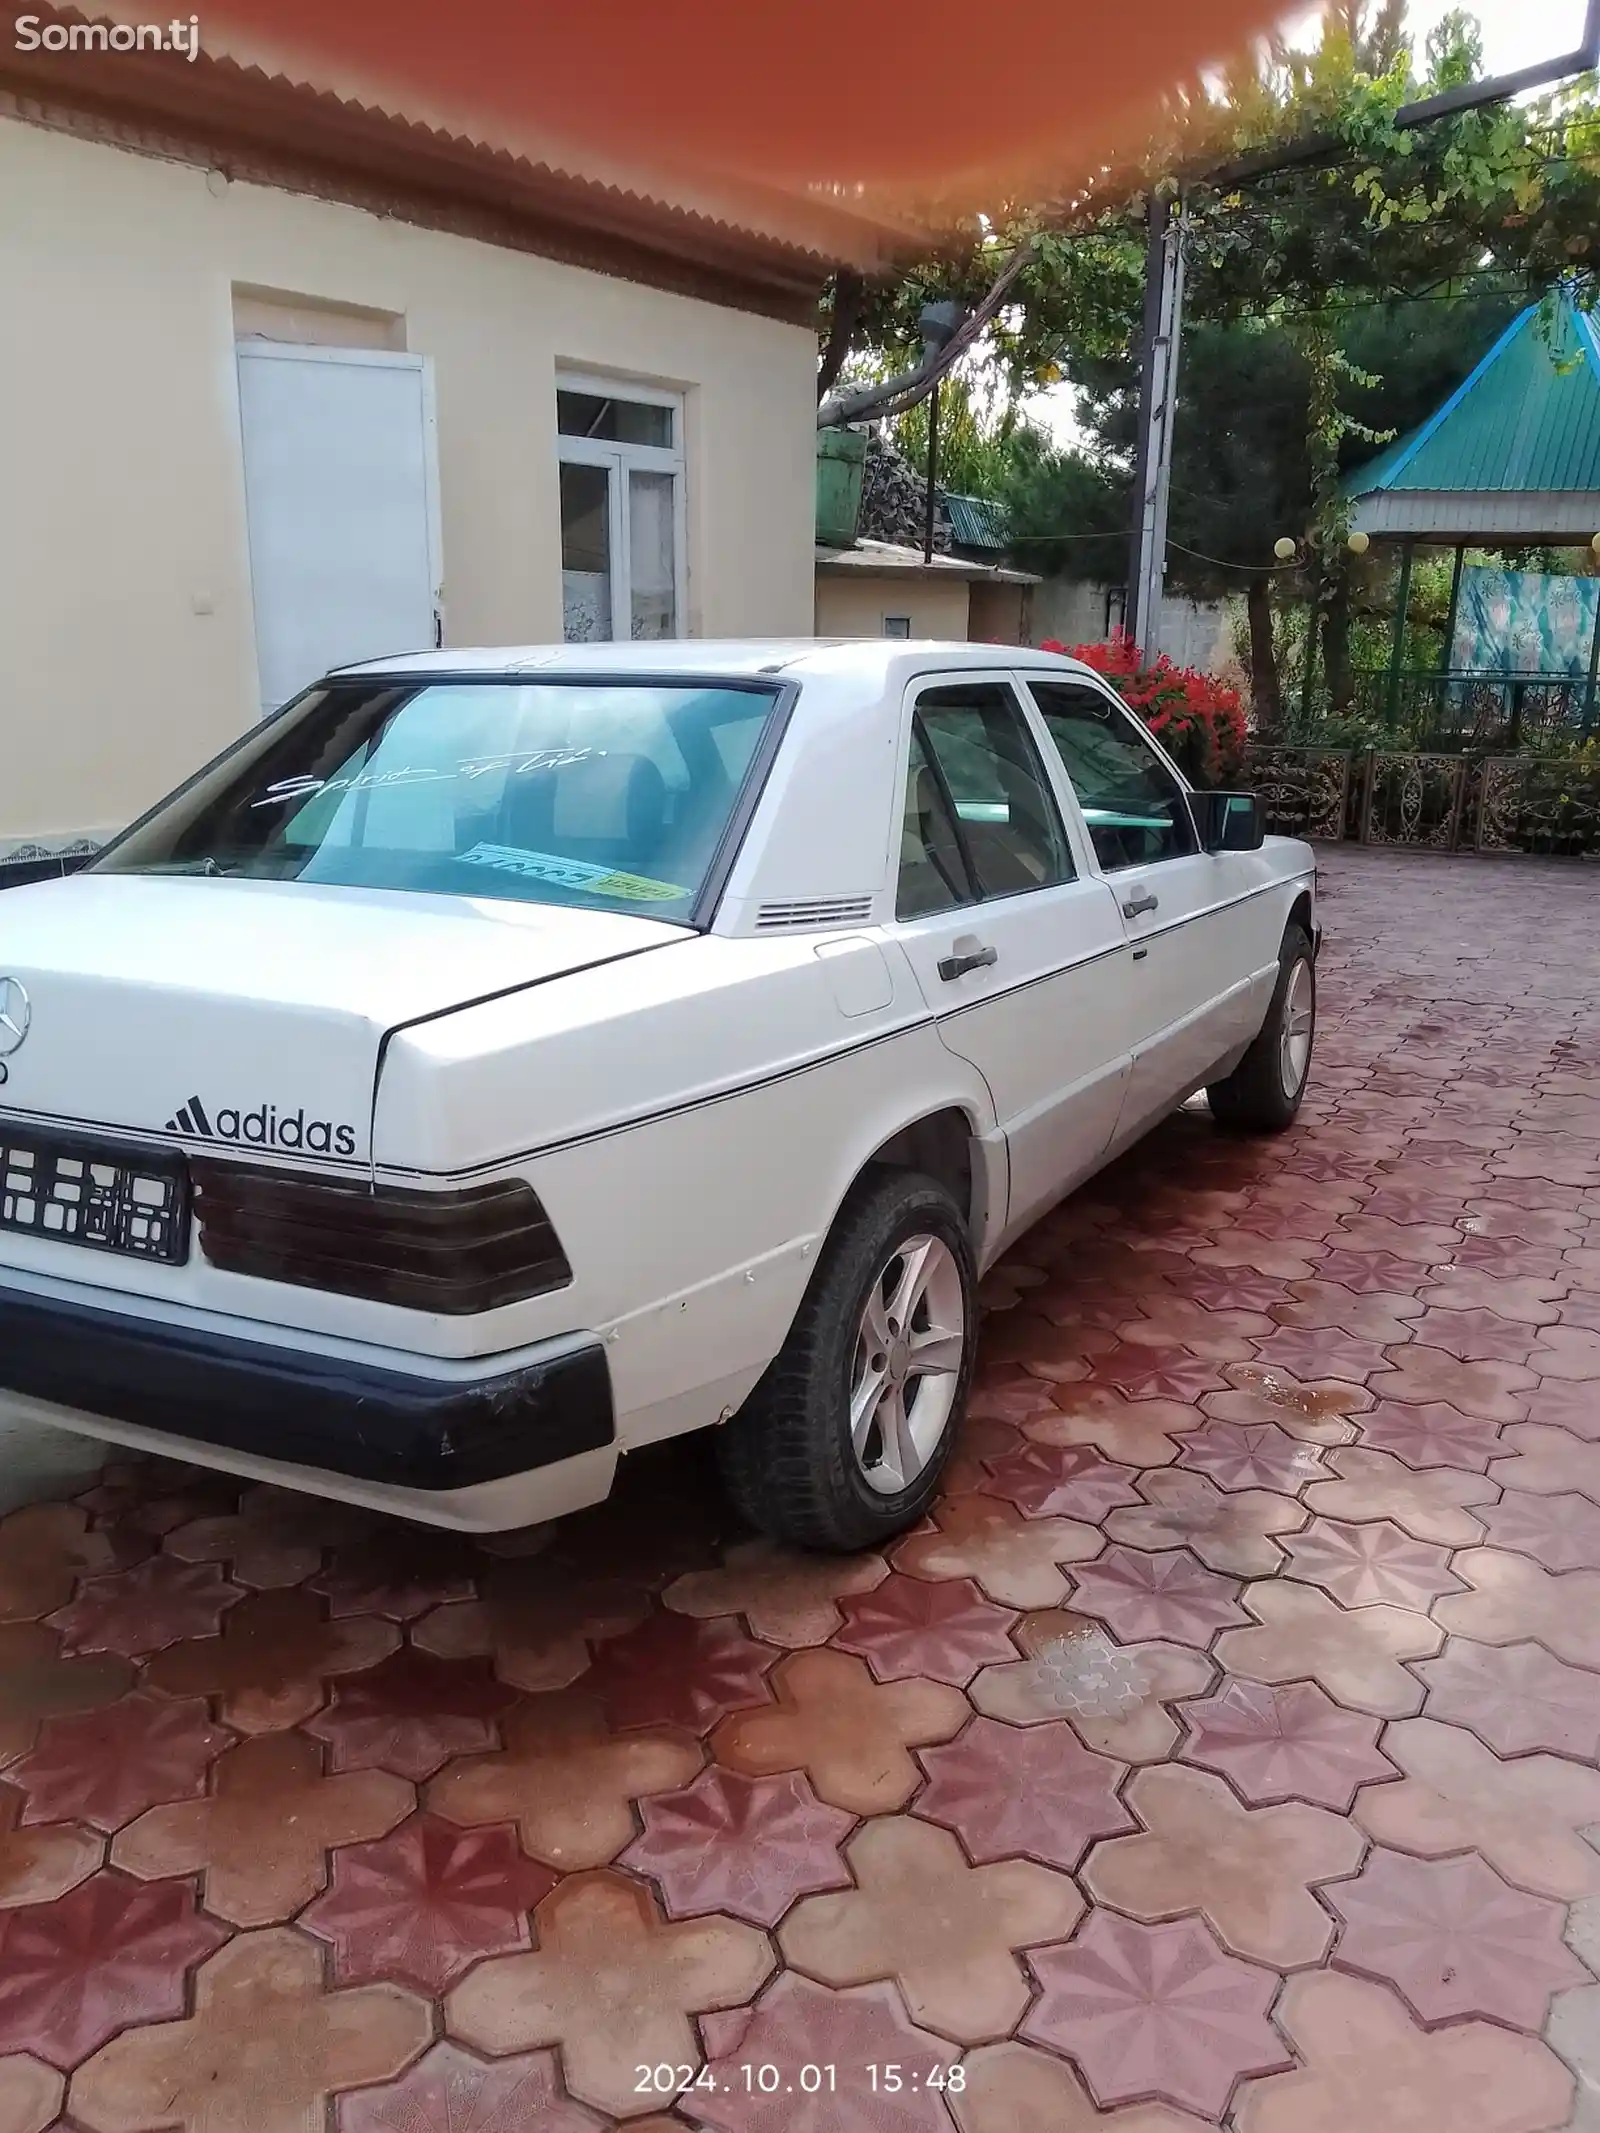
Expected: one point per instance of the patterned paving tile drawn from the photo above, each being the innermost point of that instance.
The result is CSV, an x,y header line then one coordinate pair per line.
x,y
1230,1531
612,1984
675,1671
1071,1481
422,1904
949,1934
449,2090
1430,1503
110,1952
1169,1595
134,1612
1454,1939
411,1714
1252,1455
1037,1793
850,1734
1314,1306
1431,1434
1156,2012
38,1865
1525,1816
106,1766
1365,1565
565,1779
400,1572
36,1683
30,2095
797,2024
1287,1743
1515,1697
1512,1600
1133,1432
1548,1461
1561,1532
265,2046
45,1548
260,1842
740,1844
538,1620
1492,1391
784,1596
1249,1871
1013,2088
911,1626
1012,1558
1356,1656
1116,1697
275,1539
271,1664
1313,1410
1366,2063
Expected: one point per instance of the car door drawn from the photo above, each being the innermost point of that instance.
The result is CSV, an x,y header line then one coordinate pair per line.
x,y
1019,950
1179,905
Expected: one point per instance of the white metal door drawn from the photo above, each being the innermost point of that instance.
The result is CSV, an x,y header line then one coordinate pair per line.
x,y
341,500
1031,984
1188,933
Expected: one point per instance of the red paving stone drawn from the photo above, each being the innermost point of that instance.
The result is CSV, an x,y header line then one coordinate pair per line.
x,y
1220,1754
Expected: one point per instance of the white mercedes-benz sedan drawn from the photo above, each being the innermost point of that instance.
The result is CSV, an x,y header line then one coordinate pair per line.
x,y
498,1061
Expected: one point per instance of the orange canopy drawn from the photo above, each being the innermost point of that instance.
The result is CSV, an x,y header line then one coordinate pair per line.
x,y
923,109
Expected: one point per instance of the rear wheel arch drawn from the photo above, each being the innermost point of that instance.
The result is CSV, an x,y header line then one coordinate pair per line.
x,y
942,1145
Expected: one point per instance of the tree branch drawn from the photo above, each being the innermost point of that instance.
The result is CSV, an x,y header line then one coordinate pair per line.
x,y
893,396
848,291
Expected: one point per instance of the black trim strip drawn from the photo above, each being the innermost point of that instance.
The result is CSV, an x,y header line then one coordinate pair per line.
x,y
353,1419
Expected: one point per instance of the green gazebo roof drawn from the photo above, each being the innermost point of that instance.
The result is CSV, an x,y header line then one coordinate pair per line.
x,y
1512,454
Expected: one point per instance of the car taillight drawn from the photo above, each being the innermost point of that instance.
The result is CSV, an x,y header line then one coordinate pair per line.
x,y
455,1252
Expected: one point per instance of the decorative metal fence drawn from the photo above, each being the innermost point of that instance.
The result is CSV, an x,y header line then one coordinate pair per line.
x,y
1462,709
1444,801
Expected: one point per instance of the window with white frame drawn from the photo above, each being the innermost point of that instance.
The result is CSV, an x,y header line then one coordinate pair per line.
x,y
621,453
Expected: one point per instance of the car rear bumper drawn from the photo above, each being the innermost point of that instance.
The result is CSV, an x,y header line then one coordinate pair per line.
x,y
368,1423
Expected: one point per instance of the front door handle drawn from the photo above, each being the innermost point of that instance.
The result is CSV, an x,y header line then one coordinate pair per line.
x,y
969,955
1139,902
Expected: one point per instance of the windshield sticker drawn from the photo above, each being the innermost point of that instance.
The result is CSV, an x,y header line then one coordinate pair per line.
x,y
518,763
571,874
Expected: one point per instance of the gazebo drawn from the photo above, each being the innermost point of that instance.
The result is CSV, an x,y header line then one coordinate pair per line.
x,y
1510,460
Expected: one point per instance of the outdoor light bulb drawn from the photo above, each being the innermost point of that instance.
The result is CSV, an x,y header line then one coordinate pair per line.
x,y
1283,548
1594,542
1358,543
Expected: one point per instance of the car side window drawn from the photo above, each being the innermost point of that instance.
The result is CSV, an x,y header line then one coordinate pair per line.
x,y
1136,810
933,867
981,754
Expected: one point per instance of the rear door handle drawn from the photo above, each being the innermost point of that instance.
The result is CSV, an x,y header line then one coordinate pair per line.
x,y
1139,902
969,955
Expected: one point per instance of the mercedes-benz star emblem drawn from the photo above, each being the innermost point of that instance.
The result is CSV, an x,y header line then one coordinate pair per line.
x,y
16,1012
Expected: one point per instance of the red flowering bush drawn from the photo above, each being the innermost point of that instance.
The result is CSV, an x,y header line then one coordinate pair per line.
x,y
1199,720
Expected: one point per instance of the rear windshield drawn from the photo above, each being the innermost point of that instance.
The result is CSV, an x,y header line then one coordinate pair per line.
x,y
612,797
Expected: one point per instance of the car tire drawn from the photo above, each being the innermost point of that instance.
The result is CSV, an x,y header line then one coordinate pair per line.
x,y
799,1460
1264,1091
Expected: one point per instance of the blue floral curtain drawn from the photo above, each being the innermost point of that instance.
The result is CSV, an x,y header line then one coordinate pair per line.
x,y
1523,622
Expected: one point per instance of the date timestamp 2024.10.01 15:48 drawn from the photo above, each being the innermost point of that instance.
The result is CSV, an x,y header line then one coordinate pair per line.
x,y
763,2079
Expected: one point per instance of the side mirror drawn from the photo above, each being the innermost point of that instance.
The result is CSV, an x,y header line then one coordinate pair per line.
x,y
1229,821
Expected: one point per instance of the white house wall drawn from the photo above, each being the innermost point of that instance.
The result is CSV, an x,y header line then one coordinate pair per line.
x,y
127,651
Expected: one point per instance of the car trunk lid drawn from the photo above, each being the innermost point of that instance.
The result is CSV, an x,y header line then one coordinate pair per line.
x,y
218,1012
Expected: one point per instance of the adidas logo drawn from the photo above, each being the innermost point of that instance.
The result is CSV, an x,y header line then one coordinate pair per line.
x,y
265,1127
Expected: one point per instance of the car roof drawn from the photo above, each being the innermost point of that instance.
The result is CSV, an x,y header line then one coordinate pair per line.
x,y
870,659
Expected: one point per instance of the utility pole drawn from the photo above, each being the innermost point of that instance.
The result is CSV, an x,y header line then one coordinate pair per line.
x,y
1158,407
